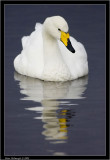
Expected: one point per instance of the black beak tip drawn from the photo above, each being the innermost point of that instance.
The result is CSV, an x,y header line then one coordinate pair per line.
x,y
73,51
70,47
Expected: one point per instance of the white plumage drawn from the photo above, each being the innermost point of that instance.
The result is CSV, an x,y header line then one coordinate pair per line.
x,y
45,57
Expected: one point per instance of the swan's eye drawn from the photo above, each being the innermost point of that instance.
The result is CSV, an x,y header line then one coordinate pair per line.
x,y
59,29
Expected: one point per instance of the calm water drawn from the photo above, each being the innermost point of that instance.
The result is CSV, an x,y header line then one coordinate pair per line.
x,y
55,118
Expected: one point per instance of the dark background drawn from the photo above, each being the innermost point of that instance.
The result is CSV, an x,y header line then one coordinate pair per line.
x,y
87,25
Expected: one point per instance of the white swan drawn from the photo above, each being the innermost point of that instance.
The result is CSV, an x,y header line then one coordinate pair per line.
x,y
44,56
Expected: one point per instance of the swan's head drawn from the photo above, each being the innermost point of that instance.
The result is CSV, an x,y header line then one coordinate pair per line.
x,y
57,28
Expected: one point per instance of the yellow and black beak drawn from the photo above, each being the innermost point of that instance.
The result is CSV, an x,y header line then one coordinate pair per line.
x,y
66,41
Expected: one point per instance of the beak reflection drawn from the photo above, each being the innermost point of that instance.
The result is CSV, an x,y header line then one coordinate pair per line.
x,y
53,105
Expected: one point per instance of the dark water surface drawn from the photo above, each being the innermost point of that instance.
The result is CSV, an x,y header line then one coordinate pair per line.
x,y
55,118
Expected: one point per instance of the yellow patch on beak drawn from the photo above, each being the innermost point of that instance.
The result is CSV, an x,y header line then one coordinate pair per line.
x,y
64,37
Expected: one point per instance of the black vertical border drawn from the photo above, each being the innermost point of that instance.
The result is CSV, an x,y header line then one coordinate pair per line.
x,y
2,81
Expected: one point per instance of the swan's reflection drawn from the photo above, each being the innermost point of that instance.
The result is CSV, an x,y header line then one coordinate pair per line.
x,y
57,106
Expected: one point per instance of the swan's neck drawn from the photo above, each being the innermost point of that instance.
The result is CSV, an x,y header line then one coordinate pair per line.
x,y
51,48
54,67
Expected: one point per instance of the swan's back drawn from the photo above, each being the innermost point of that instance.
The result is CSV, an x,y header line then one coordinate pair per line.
x,y
30,61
